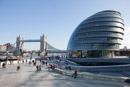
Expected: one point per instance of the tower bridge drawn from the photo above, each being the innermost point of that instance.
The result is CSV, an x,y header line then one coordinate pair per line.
x,y
45,47
30,40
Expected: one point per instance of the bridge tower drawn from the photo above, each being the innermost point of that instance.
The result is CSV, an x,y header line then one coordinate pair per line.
x,y
43,44
19,45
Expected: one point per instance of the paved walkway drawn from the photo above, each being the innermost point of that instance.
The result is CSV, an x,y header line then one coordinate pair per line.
x,y
28,77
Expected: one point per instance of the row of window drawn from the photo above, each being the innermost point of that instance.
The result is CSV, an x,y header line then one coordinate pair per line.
x,y
103,19
91,45
101,27
84,30
96,46
104,15
102,24
99,33
99,41
101,13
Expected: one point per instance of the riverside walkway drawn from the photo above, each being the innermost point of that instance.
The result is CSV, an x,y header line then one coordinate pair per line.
x,y
28,77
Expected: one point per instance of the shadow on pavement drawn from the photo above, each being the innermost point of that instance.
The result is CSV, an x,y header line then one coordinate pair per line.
x,y
11,72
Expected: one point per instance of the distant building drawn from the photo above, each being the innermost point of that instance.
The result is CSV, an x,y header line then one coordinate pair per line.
x,y
97,36
122,52
7,47
3,47
125,47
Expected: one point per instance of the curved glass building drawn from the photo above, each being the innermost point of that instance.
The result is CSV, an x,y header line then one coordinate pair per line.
x,y
97,36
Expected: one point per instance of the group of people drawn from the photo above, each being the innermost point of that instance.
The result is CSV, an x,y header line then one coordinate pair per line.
x,y
51,66
38,67
43,62
17,68
34,62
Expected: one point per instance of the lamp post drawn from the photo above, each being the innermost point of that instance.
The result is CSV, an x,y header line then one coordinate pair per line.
x,y
7,57
31,55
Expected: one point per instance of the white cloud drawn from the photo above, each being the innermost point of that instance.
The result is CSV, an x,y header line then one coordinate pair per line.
x,y
126,38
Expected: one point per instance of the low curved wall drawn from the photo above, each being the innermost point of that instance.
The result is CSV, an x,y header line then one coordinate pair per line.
x,y
72,63
112,68
89,76
124,67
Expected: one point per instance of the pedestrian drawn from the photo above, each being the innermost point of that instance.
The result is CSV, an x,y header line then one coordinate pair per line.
x,y
32,61
29,62
66,62
46,63
23,61
37,68
70,67
3,65
43,62
75,73
53,67
49,68
18,67
34,64
40,67
40,60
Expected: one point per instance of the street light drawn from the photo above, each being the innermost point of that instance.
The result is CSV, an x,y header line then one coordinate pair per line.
x,y
31,55
7,57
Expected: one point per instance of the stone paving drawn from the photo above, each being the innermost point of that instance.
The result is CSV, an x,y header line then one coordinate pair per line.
x,y
28,77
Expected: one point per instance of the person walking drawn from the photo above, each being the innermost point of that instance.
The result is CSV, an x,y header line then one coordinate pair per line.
x,y
3,65
53,67
22,61
34,63
40,67
37,68
70,67
49,68
46,63
75,73
18,67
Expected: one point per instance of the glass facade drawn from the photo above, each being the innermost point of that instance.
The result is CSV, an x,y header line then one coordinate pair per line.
x,y
98,35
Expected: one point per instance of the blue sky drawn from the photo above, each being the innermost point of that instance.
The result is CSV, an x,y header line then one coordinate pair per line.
x,y
57,19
